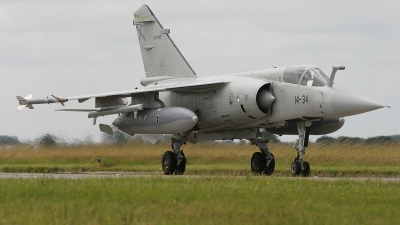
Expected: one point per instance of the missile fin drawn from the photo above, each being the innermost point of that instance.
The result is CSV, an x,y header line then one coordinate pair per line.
x,y
20,98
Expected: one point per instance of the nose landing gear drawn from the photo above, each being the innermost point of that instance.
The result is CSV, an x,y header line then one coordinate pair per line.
x,y
299,166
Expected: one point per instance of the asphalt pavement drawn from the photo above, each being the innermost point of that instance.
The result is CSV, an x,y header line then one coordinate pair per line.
x,y
144,174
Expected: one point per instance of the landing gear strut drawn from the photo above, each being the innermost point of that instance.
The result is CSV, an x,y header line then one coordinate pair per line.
x,y
299,166
262,162
174,162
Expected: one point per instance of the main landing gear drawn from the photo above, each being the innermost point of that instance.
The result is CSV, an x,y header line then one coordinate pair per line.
x,y
299,166
262,162
174,162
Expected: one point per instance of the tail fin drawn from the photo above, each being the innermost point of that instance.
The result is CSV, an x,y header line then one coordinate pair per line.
x,y
23,102
160,55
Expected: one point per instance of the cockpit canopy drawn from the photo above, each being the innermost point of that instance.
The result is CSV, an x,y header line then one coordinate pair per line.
x,y
305,75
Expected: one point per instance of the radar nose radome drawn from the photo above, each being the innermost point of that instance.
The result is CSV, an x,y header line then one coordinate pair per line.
x,y
346,103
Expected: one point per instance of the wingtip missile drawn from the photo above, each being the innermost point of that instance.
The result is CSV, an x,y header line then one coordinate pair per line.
x,y
29,102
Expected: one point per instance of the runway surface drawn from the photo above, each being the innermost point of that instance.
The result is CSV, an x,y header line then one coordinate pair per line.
x,y
137,175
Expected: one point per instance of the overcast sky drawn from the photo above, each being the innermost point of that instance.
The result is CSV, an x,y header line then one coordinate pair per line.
x,y
74,48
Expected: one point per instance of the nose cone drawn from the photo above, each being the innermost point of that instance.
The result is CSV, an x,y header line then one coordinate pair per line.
x,y
346,103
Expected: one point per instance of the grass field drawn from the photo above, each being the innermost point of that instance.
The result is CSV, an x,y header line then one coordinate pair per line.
x,y
203,200
228,199
204,158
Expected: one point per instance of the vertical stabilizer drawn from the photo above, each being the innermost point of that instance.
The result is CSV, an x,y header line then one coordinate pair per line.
x,y
160,55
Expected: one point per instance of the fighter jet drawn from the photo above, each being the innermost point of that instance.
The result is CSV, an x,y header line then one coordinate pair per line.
x,y
295,100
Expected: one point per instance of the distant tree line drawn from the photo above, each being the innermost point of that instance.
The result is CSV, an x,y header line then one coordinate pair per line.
x,y
50,140
356,140
44,140
9,140
120,138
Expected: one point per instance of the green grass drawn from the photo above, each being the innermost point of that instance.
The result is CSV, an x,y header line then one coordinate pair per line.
x,y
204,200
204,158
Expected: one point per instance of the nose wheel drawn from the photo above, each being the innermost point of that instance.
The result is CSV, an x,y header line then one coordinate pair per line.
x,y
295,168
305,169
299,166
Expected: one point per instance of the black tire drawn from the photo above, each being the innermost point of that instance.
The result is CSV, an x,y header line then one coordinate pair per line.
x,y
257,163
180,170
305,169
168,163
295,168
270,169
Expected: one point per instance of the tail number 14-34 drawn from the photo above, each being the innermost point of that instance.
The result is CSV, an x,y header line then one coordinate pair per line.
x,y
300,99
